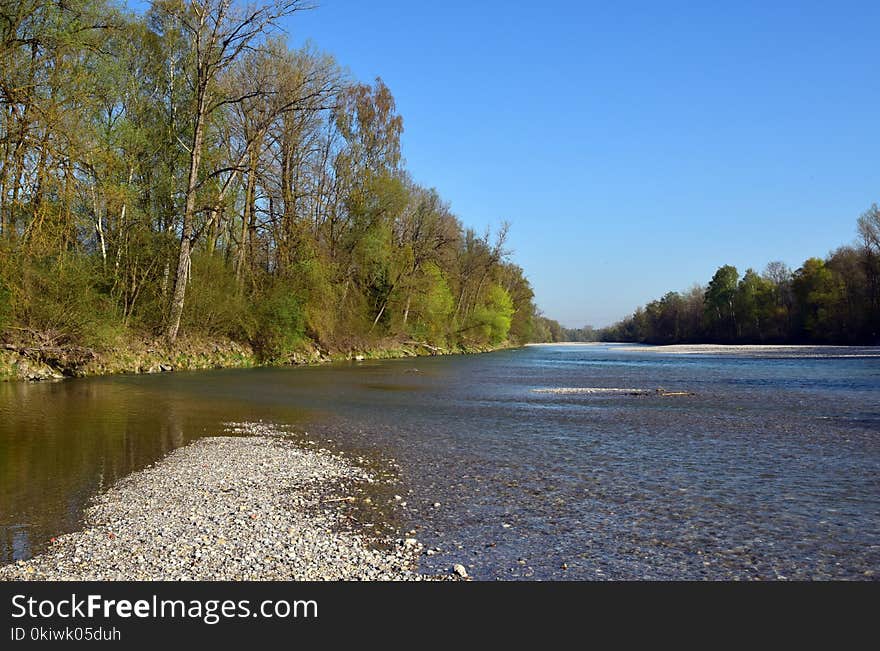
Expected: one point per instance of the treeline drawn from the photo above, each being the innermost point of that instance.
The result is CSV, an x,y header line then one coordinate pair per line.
x,y
830,301
551,331
184,171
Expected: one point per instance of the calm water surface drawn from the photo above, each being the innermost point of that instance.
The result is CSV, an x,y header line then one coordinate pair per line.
x,y
771,469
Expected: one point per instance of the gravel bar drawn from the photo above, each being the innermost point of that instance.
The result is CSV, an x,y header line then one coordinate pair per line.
x,y
254,507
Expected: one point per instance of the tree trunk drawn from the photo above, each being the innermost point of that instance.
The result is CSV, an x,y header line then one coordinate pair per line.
x,y
184,257
406,310
246,221
213,230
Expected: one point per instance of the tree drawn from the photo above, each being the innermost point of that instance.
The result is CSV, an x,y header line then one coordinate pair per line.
x,y
753,306
719,307
185,171
830,300
853,308
817,291
429,306
218,32
492,316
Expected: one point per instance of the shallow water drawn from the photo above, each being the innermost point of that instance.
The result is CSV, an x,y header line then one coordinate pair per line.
x,y
770,469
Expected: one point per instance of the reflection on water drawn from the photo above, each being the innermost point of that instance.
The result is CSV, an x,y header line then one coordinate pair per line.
x,y
771,468
60,443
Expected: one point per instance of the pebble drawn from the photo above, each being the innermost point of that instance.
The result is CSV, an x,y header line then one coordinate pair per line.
x,y
250,507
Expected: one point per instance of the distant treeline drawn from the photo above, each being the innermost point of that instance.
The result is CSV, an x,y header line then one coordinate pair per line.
x,y
550,331
830,301
184,171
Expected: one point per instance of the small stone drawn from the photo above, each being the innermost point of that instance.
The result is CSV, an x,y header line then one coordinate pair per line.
x,y
228,508
459,569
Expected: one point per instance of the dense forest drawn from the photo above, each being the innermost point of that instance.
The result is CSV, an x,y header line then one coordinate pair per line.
x,y
184,173
835,300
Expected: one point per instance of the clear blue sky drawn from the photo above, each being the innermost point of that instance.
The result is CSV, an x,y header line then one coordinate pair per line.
x,y
634,146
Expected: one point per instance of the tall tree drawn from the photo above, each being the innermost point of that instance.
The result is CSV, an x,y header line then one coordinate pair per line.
x,y
219,31
720,313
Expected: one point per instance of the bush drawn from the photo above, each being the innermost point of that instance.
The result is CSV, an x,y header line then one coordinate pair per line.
x,y
61,298
144,284
5,305
311,281
215,303
281,322
6,265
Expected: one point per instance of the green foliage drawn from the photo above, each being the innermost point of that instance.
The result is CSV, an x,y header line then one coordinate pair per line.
x,y
836,300
431,306
312,280
219,307
59,297
272,319
719,297
522,324
319,233
5,305
546,330
6,313
492,318
818,292
280,323
753,305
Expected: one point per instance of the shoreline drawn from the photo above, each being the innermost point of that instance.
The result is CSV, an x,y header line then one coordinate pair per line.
x,y
39,364
253,505
818,350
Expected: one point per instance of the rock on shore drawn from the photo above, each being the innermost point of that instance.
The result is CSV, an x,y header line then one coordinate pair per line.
x,y
226,508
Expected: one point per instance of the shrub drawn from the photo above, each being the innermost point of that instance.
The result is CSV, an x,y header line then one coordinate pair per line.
x,y
311,281
61,297
215,303
5,305
280,322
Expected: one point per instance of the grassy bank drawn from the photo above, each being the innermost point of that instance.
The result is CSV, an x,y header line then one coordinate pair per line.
x,y
32,362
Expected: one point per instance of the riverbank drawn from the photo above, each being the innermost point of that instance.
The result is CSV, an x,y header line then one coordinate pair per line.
x,y
255,506
753,350
794,351
35,363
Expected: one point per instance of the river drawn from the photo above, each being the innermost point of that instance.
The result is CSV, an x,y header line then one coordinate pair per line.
x,y
767,467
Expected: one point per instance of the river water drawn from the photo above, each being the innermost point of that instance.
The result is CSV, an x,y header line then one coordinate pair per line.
x,y
768,468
